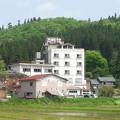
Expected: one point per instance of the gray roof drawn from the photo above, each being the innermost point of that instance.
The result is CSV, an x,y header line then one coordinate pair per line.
x,y
94,82
106,79
33,64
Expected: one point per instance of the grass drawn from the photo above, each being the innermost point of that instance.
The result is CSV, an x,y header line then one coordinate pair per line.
x,y
32,109
62,104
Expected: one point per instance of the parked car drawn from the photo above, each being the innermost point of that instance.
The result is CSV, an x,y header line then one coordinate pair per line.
x,y
8,96
90,96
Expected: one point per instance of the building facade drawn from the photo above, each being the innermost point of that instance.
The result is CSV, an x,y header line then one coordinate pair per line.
x,y
36,86
68,61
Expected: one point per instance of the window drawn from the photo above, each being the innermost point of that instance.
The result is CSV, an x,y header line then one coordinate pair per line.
x,y
48,70
65,46
56,63
79,56
37,70
78,80
67,55
26,69
31,83
56,71
79,72
59,46
67,63
86,92
56,55
70,47
73,91
29,94
67,72
79,63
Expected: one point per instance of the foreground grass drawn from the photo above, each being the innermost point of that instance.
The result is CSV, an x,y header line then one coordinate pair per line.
x,y
61,104
22,109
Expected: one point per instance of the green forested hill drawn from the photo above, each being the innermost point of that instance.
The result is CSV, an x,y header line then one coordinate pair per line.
x,y
19,43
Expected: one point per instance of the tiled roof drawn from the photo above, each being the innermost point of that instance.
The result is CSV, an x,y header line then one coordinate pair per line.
x,y
34,77
106,79
40,76
33,64
73,87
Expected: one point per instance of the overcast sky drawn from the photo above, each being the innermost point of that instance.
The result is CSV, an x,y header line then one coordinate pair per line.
x,y
14,10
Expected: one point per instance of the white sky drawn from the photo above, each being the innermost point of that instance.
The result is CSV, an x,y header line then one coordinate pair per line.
x,y
14,10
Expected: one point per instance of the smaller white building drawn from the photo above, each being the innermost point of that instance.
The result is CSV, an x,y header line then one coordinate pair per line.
x,y
76,91
30,69
36,86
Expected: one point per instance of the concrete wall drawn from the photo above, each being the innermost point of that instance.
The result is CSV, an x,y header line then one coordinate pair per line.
x,y
25,88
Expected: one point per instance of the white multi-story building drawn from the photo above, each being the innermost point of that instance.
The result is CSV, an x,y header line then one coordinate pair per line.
x,y
68,60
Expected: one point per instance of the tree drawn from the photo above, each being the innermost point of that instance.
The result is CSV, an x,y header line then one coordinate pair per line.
x,y
96,64
88,75
18,22
2,65
115,64
9,25
115,67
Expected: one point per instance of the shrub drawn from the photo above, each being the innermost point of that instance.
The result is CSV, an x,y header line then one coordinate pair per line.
x,y
105,91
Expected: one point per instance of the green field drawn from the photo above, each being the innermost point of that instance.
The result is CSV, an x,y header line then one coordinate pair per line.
x,y
22,109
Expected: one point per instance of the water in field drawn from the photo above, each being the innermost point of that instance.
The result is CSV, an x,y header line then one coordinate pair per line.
x,y
80,116
60,116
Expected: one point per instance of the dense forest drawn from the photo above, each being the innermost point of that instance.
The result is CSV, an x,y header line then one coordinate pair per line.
x,y
19,43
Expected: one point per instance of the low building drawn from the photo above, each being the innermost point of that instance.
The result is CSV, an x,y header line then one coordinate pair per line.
x,y
31,69
36,86
96,83
76,91
107,80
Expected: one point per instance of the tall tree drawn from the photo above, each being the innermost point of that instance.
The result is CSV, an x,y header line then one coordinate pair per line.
x,y
96,63
115,64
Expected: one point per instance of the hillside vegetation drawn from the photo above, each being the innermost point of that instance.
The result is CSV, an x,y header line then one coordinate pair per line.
x,y
20,42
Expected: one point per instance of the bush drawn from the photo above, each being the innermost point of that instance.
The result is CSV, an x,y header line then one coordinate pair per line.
x,y
105,91
118,83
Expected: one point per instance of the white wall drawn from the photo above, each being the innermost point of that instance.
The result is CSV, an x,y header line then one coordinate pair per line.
x,y
51,84
73,63
19,68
